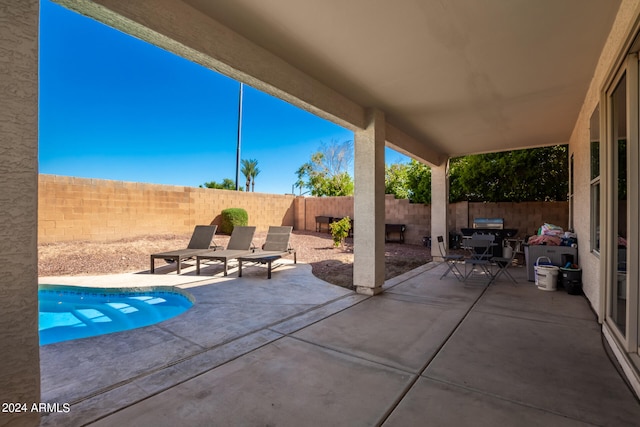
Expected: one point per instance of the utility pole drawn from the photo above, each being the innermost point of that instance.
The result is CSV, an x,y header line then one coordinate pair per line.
x,y
239,137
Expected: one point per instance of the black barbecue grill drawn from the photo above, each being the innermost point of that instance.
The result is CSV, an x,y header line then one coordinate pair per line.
x,y
492,226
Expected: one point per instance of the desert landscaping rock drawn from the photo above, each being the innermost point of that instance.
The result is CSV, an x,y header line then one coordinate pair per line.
x,y
334,265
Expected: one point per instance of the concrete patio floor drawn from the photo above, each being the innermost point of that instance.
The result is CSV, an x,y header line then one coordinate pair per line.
x,y
295,350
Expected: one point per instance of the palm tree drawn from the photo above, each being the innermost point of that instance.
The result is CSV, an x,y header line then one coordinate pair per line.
x,y
250,171
247,171
254,173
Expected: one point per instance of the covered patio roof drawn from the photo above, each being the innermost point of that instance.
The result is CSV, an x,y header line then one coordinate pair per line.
x,y
459,76
452,78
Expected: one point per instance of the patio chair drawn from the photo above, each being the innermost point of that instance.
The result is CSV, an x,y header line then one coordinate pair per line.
x,y
201,240
240,243
275,247
503,264
480,257
451,260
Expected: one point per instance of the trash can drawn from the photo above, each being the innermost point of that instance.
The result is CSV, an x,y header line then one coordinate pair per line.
x,y
454,240
571,280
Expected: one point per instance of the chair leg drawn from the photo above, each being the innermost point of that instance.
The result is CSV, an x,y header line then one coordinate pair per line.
x,y
453,268
484,269
504,269
506,272
510,276
458,273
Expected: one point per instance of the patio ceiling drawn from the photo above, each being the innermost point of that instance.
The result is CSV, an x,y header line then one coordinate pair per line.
x,y
458,76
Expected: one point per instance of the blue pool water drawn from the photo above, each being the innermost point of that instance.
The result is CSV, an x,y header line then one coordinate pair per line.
x,y
70,312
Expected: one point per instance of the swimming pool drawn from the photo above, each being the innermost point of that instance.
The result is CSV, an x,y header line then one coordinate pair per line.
x,y
71,312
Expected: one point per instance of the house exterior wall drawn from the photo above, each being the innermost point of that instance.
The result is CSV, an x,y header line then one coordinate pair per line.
x,y
579,147
597,277
19,346
73,209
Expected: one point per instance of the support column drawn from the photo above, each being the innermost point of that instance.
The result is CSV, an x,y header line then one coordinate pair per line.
x,y
439,207
19,346
368,245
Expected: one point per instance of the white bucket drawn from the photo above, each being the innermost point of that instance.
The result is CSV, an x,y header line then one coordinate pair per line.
x,y
547,277
543,260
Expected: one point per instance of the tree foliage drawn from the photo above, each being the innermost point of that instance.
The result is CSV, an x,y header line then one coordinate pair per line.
x,y
539,174
410,180
396,180
327,173
419,182
226,184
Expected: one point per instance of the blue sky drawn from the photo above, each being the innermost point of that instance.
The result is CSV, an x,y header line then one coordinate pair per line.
x,y
115,107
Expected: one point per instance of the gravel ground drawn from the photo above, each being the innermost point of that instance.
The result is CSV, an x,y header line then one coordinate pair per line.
x,y
334,265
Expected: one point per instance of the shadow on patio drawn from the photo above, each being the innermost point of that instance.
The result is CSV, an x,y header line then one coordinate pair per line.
x,y
294,350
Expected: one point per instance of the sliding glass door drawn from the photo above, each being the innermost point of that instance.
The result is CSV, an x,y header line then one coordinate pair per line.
x,y
617,309
623,303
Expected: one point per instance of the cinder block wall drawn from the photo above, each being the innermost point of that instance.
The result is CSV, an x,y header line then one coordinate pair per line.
x,y
72,209
102,210
307,208
526,217
416,217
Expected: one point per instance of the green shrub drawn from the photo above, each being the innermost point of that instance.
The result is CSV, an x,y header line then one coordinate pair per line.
x,y
340,230
232,217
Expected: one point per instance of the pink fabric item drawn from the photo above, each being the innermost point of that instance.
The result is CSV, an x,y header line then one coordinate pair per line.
x,y
544,240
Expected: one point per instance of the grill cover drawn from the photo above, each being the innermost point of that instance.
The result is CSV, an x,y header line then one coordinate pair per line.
x,y
489,223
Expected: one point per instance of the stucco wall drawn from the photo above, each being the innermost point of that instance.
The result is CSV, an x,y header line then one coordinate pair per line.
x,y
102,210
579,147
19,347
